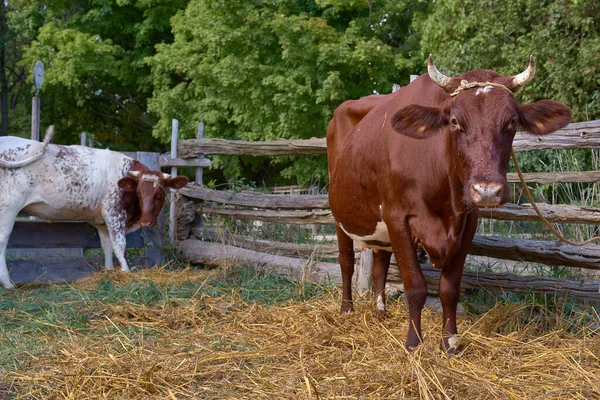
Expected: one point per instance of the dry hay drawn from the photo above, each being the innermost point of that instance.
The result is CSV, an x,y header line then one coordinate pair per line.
x,y
224,348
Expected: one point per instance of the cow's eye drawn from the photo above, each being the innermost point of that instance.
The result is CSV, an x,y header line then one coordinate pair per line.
x,y
513,123
454,122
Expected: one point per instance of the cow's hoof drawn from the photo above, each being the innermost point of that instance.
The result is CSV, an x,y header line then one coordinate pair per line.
x,y
450,345
346,308
8,286
381,315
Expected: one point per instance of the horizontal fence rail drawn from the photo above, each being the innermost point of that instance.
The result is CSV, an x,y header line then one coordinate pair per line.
x,y
286,209
574,136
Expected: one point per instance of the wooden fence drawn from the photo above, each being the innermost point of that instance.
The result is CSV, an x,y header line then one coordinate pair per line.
x,y
198,244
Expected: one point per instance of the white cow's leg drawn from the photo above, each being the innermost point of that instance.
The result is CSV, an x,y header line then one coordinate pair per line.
x,y
7,222
115,218
106,247
118,243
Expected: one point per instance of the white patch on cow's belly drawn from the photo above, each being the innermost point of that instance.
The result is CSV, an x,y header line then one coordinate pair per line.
x,y
381,234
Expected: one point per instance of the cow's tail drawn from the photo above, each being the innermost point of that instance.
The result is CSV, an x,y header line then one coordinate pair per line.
x,y
49,135
21,163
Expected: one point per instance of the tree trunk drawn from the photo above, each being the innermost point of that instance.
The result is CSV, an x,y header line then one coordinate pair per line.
x,y
3,80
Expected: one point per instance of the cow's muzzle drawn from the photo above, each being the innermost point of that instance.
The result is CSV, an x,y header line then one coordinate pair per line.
x,y
488,194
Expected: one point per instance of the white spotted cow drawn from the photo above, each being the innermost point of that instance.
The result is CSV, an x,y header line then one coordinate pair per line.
x,y
113,192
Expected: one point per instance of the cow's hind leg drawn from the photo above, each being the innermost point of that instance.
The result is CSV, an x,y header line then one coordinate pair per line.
x,y
381,265
346,258
7,222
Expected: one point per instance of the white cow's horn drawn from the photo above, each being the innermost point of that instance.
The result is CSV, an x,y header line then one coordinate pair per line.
x,y
135,174
166,176
526,76
440,79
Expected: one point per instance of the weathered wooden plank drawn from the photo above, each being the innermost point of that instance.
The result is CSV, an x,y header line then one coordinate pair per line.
x,y
195,147
28,233
555,213
215,254
556,177
282,217
167,161
549,252
257,200
319,250
573,136
197,251
511,212
578,135
509,282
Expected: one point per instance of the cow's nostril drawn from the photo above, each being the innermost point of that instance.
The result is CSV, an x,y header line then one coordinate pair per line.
x,y
488,189
488,194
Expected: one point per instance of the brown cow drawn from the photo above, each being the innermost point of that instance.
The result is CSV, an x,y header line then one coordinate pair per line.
x,y
411,168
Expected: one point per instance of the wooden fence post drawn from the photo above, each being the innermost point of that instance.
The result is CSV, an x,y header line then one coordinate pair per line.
x,y
314,191
173,206
199,170
83,138
364,280
153,237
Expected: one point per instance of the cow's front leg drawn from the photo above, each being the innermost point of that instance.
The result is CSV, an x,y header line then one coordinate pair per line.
x,y
118,241
115,223
450,288
415,285
346,258
381,265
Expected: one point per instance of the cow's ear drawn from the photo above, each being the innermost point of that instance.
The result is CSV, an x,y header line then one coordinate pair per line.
x,y
177,182
128,183
544,117
419,122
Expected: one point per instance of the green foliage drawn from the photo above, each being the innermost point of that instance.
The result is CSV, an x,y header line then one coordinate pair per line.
x,y
96,78
500,35
266,70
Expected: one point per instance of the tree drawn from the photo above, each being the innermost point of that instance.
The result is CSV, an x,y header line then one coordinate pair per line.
x,y
564,37
96,78
264,70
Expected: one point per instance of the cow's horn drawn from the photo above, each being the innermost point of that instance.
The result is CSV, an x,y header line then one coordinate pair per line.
x,y
135,174
166,176
526,76
440,79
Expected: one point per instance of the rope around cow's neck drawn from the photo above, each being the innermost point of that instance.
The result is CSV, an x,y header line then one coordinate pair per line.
x,y
537,210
